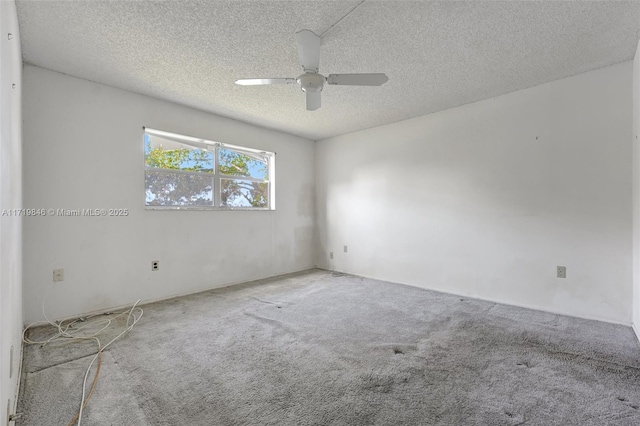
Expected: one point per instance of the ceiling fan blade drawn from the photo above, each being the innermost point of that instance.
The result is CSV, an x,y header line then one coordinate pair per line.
x,y
308,50
262,81
313,100
377,79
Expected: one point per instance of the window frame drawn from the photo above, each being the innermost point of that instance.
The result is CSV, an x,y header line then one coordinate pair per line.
x,y
216,176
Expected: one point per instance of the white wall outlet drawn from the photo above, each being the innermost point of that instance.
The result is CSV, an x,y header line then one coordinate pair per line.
x,y
562,272
58,275
155,265
345,249
330,255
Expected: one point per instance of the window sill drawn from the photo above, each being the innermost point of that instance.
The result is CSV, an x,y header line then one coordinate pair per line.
x,y
171,208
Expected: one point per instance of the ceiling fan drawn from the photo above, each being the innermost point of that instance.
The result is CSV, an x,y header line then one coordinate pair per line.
x,y
310,81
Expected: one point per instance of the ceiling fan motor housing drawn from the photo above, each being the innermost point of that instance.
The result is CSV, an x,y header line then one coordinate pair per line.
x,y
311,82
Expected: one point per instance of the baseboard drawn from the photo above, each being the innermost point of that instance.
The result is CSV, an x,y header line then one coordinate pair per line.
x,y
111,309
264,280
551,311
501,302
14,409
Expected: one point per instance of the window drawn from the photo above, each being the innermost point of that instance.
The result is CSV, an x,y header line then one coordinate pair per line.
x,y
182,172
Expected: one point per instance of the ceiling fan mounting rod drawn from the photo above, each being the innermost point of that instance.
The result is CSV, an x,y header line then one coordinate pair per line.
x,y
341,19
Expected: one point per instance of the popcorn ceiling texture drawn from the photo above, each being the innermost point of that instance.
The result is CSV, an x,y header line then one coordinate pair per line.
x,y
437,55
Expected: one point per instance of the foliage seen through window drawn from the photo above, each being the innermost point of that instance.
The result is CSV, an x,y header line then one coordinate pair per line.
x,y
183,174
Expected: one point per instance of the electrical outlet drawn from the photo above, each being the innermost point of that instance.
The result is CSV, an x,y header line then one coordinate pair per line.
x,y
58,275
345,249
155,265
330,255
562,272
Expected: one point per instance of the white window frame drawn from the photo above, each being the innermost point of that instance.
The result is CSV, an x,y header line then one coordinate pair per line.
x,y
217,177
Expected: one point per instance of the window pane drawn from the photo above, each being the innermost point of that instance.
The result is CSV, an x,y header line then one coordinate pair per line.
x,y
178,189
242,164
164,153
244,193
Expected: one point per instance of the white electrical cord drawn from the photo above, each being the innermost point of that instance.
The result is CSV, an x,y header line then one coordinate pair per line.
x,y
129,327
71,332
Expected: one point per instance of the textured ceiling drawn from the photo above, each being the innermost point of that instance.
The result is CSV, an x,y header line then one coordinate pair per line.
x,y
437,54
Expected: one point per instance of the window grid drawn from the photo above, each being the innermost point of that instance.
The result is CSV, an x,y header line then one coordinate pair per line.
x,y
217,176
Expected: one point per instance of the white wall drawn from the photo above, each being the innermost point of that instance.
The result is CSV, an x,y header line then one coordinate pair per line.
x,y
83,148
10,198
485,200
636,192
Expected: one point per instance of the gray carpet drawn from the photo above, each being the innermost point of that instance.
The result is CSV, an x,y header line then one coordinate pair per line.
x,y
325,349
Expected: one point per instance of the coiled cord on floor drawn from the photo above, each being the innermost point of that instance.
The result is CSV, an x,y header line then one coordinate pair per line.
x,y
71,331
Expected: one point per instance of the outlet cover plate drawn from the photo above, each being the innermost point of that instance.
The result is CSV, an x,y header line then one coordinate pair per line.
x,y
562,272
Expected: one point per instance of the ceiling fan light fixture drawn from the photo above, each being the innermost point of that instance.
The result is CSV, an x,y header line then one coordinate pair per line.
x,y
311,83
